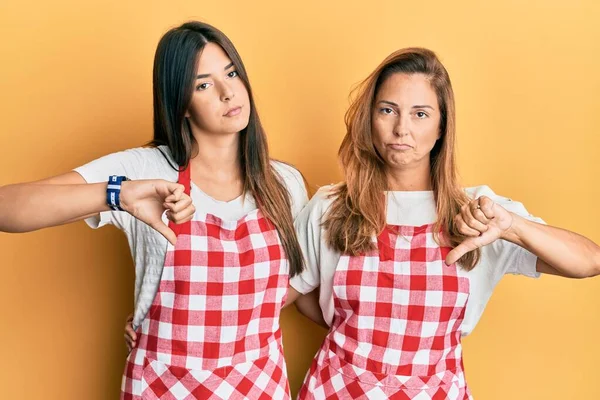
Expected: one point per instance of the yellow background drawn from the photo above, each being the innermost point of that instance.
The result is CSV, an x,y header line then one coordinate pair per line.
x,y
75,84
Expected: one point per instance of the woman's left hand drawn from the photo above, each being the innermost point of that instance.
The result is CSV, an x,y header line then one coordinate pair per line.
x,y
483,222
130,335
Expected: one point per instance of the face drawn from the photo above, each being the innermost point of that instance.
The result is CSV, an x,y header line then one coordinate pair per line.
x,y
220,102
405,121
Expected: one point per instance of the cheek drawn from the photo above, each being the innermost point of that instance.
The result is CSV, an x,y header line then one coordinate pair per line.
x,y
428,135
380,128
201,109
241,92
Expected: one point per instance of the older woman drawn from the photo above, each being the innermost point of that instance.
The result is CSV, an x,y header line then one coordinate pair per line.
x,y
406,259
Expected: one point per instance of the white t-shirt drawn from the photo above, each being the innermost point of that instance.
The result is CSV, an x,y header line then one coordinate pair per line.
x,y
410,209
148,247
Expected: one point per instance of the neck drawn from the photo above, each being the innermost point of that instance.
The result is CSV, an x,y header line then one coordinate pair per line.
x,y
217,155
410,178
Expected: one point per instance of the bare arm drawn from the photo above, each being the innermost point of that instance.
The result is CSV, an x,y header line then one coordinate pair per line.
x,y
307,305
559,251
66,198
55,201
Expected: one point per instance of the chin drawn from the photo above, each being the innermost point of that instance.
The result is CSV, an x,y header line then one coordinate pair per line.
x,y
398,162
238,124
240,127
234,127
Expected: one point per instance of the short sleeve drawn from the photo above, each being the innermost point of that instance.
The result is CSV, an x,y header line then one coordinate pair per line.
x,y
506,257
129,163
294,182
310,237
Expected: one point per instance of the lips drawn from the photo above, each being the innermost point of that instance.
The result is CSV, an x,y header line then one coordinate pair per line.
x,y
399,146
232,112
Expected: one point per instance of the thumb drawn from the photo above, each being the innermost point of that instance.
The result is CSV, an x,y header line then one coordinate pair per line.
x,y
164,230
466,246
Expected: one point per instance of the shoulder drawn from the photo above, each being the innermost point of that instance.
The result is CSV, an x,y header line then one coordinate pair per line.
x,y
293,181
142,157
325,196
157,162
135,163
160,155
287,172
318,205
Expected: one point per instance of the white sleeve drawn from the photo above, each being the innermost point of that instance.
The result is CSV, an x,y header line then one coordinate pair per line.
x,y
309,233
294,182
129,163
506,257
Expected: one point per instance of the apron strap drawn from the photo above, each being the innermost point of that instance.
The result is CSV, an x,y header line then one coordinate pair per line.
x,y
384,244
185,180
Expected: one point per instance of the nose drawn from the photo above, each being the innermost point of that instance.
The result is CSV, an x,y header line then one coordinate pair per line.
x,y
227,93
402,126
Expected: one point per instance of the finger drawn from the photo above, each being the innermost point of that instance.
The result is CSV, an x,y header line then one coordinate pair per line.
x,y
471,221
468,245
130,332
487,207
183,220
464,228
188,218
164,230
176,192
182,204
480,216
181,216
129,343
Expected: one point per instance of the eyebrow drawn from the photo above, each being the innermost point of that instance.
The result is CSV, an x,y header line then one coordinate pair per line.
x,y
201,76
391,103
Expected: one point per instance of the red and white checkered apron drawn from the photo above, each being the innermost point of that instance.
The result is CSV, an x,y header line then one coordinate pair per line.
x,y
213,331
396,327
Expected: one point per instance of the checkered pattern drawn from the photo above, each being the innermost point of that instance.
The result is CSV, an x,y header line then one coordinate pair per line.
x,y
396,327
264,378
213,329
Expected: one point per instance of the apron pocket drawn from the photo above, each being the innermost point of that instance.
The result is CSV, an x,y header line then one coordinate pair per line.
x,y
159,378
337,365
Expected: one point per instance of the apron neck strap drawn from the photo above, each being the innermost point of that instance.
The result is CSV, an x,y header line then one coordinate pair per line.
x,y
185,180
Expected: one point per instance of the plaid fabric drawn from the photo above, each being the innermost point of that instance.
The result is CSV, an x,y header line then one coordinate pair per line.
x,y
396,327
264,378
213,329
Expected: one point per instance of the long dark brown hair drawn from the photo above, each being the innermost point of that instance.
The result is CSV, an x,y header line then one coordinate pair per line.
x,y
359,209
175,64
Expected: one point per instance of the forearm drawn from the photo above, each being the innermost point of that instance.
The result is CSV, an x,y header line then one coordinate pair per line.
x,y
308,305
31,206
569,253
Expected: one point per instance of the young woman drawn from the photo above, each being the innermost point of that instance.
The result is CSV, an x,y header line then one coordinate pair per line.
x,y
207,300
406,259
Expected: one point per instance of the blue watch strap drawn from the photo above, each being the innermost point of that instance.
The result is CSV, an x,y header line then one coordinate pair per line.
x,y
113,190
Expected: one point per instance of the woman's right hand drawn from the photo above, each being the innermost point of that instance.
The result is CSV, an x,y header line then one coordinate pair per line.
x,y
130,335
146,200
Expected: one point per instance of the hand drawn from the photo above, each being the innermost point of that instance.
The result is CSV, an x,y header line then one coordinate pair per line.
x,y
484,222
130,335
146,200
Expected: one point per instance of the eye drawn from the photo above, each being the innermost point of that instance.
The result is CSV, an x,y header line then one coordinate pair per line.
x,y
386,110
421,114
232,74
203,86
